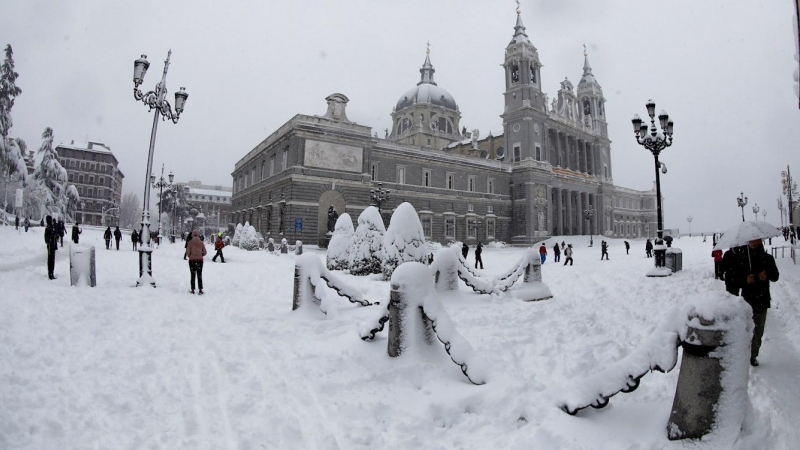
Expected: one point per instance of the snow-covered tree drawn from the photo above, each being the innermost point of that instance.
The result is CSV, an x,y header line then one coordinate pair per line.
x,y
404,241
236,235
339,247
50,174
10,154
366,251
248,239
130,211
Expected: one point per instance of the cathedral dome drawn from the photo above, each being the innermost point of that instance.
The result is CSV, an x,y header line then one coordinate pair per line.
x,y
427,93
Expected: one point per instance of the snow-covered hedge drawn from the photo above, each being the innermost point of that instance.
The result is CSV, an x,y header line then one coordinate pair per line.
x,y
236,235
248,238
367,248
404,241
339,247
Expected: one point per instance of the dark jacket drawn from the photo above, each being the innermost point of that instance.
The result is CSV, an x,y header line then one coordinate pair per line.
x,y
464,250
134,236
117,234
757,293
648,245
107,234
731,266
556,249
51,237
478,249
75,232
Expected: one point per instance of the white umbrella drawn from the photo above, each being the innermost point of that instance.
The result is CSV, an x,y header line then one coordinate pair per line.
x,y
745,232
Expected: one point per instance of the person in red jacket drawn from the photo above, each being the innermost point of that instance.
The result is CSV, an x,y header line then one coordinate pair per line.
x,y
543,252
717,255
195,251
218,245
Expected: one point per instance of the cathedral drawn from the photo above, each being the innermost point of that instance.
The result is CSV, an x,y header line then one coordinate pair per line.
x,y
549,173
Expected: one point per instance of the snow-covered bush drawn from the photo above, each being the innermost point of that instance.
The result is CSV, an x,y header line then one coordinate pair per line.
x,y
404,241
248,239
339,247
366,251
496,244
236,235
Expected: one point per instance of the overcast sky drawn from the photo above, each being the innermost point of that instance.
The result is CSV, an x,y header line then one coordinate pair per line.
x,y
722,69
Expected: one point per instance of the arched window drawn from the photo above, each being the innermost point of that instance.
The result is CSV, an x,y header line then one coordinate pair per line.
x,y
514,72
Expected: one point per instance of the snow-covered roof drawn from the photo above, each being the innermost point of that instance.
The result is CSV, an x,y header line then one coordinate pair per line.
x,y
210,192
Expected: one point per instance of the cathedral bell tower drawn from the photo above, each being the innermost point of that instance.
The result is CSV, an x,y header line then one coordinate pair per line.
x,y
591,100
524,112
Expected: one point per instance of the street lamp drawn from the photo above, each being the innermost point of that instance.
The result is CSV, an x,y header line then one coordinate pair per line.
x,y
655,141
756,209
689,219
780,209
379,196
588,214
154,100
764,214
161,184
741,201
790,190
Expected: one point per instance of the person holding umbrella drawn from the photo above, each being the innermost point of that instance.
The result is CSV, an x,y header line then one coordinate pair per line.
x,y
756,268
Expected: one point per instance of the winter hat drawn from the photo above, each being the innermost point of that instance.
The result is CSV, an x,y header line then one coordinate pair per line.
x,y
195,233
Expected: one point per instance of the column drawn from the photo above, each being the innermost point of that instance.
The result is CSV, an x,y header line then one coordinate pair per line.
x,y
549,211
569,224
559,159
586,157
579,205
558,217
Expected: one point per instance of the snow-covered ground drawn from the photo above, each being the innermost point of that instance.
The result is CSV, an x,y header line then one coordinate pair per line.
x,y
122,367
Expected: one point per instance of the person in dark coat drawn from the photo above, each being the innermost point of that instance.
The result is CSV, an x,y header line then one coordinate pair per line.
x,y
218,246
648,248
107,237
731,267
117,236
76,232
603,250
16,223
464,250
27,224
135,239
51,240
41,223
195,251
627,248
188,238
759,270
62,230
478,251
556,252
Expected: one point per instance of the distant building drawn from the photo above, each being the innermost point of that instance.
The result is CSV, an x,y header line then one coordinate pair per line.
x,y
94,170
214,201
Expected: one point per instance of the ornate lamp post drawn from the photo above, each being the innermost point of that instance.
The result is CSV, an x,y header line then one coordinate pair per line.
x,y
655,141
689,219
588,214
160,185
154,100
756,209
790,191
764,214
741,201
379,196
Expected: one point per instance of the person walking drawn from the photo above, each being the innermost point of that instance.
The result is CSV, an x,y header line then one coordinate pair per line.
x,y
478,252
195,251
62,230
627,248
568,254
27,224
135,239
556,253
218,246
107,237
648,248
718,273
731,265
543,253
16,223
186,244
76,232
754,279
603,250
117,236
51,240
41,222
464,250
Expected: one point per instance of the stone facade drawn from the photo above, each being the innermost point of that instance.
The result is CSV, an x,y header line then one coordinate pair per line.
x,y
94,170
537,179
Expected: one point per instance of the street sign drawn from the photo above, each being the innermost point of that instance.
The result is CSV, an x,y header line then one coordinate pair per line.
x,y
298,225
19,198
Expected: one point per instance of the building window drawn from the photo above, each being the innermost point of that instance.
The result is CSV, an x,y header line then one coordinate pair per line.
x,y
471,228
426,177
490,228
517,153
605,170
401,175
426,226
373,171
451,180
262,169
490,186
285,159
71,178
538,152
91,180
272,165
80,178
489,209
471,183
450,227
470,207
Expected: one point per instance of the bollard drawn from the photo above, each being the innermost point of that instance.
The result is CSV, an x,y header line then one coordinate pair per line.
x,y
82,265
446,275
532,288
298,279
284,246
398,328
697,395
298,248
270,245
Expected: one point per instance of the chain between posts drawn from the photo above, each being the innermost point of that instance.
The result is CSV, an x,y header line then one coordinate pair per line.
x,y
447,345
338,290
381,323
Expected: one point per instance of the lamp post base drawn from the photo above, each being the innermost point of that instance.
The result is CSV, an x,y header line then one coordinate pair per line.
x,y
145,268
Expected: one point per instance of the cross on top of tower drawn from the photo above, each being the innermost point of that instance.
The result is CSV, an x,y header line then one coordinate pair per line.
x,y
518,11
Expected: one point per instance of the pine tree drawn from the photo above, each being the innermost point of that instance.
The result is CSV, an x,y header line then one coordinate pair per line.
x,y
404,241
51,175
367,249
337,257
11,150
